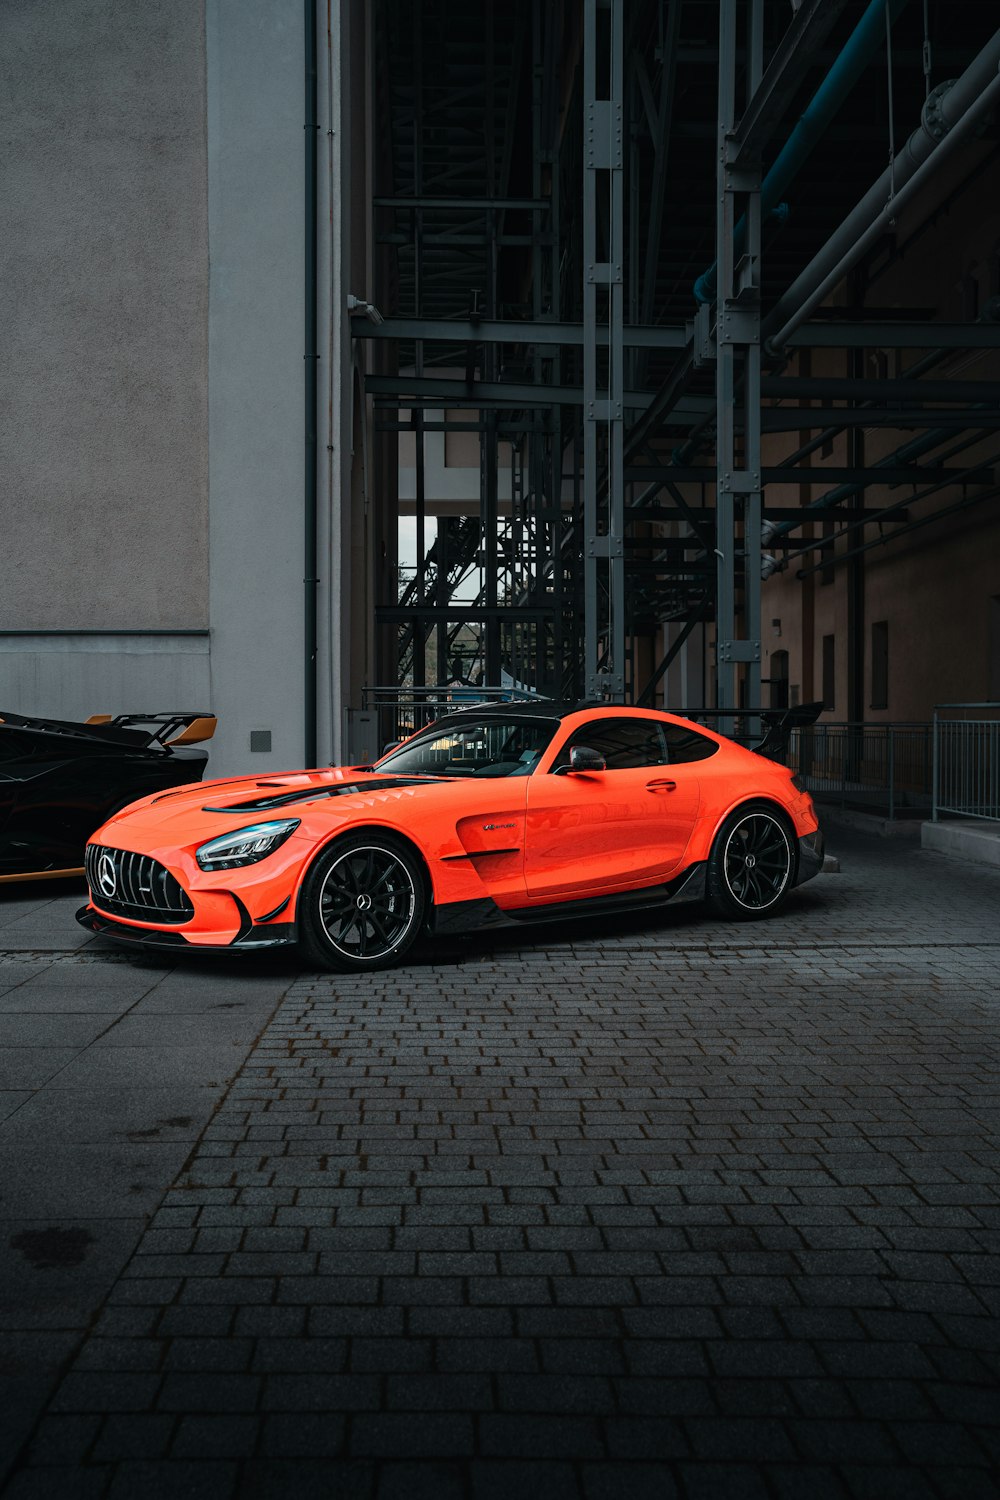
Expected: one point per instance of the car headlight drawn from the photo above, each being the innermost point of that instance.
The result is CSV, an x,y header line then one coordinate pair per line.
x,y
245,846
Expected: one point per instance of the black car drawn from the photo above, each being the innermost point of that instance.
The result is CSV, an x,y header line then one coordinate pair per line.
x,y
60,781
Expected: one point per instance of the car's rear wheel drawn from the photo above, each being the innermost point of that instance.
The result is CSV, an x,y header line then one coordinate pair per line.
x,y
362,904
752,865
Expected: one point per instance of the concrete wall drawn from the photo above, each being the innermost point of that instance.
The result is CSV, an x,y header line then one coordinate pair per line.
x,y
72,677
256,190
103,358
152,374
103,304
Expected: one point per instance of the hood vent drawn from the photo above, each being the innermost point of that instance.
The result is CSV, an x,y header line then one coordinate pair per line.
x,y
320,793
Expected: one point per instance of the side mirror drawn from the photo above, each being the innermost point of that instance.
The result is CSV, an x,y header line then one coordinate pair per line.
x,y
389,745
582,758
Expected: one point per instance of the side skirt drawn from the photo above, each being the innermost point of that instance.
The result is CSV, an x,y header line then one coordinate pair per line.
x,y
484,914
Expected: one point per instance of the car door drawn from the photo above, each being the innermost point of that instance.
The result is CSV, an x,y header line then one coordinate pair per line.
x,y
618,829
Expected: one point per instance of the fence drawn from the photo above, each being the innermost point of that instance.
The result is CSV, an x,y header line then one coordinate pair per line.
x,y
967,760
883,769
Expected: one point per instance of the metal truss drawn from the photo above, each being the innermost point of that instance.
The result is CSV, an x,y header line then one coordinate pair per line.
x,y
554,171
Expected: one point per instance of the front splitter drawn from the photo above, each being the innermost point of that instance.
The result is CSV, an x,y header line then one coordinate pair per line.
x,y
274,935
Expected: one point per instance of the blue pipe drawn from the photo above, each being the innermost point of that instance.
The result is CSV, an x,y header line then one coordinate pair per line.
x,y
861,46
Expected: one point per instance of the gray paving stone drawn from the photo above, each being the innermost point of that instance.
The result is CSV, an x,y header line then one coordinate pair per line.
x,y
643,1209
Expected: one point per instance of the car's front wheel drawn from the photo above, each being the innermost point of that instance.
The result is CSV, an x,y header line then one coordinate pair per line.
x,y
752,865
362,904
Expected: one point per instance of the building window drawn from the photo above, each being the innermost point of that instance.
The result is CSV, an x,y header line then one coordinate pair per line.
x,y
880,664
829,672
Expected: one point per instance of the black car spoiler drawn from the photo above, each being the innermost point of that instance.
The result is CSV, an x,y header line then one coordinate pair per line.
x,y
138,731
780,723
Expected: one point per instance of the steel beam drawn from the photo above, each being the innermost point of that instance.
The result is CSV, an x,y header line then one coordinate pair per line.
x,y
792,419
471,613
453,393
832,388
805,35
603,391
795,516
874,474
834,334
738,472
461,204
511,331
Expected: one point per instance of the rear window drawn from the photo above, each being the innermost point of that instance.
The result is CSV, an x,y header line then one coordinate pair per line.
x,y
685,744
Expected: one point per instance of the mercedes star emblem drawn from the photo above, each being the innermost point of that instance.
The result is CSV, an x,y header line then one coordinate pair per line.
x,y
106,877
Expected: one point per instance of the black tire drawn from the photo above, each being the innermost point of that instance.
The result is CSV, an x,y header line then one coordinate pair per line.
x,y
751,868
362,904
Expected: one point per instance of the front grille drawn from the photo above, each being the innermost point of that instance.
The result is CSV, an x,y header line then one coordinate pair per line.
x,y
141,887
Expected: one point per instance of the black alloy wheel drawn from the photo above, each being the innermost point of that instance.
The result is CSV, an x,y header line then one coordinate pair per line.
x,y
752,864
363,904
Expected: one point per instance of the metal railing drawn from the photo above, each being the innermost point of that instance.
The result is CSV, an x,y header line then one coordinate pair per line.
x,y
882,769
966,773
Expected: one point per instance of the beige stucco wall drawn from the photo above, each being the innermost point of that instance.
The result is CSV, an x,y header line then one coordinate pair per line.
x,y
103,315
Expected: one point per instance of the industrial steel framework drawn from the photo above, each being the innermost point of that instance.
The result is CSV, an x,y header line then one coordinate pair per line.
x,y
607,233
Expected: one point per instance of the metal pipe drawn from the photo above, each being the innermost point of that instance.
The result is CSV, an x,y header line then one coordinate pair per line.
x,y
883,541
311,506
952,111
865,41
820,544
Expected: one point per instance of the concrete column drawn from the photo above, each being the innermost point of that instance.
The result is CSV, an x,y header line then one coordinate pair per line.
x,y
256,226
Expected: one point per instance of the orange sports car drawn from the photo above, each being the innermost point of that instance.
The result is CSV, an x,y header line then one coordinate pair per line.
x,y
502,813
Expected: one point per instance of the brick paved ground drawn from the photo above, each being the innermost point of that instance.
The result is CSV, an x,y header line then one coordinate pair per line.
x,y
636,1210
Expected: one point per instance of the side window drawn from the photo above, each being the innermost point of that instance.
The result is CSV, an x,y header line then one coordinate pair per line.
x,y
625,743
687,744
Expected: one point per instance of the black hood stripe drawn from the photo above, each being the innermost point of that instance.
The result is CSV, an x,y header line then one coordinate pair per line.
x,y
319,793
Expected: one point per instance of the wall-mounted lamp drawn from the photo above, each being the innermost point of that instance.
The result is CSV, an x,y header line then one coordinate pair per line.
x,y
358,304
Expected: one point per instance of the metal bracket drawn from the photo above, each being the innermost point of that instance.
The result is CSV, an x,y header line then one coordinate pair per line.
x,y
746,281
604,411
738,650
737,325
703,337
604,134
741,482
599,683
605,546
603,273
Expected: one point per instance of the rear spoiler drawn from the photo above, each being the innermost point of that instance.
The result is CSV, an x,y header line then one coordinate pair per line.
x,y
162,729
780,723
150,731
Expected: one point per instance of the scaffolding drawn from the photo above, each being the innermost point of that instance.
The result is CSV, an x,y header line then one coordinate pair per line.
x,y
591,269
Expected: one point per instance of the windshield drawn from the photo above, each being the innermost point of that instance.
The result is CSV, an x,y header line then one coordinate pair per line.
x,y
487,747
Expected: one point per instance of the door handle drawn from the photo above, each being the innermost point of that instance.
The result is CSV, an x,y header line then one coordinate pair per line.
x,y
661,786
